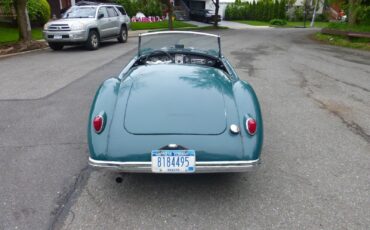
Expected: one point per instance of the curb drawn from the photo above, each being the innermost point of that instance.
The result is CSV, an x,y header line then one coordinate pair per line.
x,y
30,51
24,52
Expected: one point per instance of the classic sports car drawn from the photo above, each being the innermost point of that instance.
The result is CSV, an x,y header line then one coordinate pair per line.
x,y
177,107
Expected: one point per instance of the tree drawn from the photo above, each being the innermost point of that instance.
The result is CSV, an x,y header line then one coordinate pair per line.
x,y
282,10
169,6
217,6
23,21
170,14
353,9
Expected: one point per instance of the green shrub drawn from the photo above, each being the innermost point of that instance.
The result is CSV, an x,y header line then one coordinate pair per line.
x,y
321,18
152,8
364,15
278,22
38,11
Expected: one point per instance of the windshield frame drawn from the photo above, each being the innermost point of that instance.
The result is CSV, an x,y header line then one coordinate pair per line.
x,y
180,32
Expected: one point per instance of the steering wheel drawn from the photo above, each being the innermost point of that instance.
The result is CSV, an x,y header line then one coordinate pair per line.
x,y
156,52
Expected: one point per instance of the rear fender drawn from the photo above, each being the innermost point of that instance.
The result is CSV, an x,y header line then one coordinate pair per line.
x,y
104,103
248,106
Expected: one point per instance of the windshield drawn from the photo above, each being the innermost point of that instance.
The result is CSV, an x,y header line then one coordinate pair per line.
x,y
81,12
180,41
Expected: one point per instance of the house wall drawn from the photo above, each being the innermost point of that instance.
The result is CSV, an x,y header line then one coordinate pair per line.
x,y
209,5
223,4
57,5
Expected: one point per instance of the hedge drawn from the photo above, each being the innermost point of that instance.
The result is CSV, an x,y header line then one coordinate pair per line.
x,y
261,10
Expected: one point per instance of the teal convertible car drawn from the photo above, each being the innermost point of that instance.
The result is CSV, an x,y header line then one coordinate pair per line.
x,y
177,107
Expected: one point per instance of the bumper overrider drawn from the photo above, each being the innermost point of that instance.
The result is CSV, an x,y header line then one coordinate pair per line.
x,y
200,166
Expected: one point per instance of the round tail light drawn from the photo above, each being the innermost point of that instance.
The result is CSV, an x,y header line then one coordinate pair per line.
x,y
251,126
98,123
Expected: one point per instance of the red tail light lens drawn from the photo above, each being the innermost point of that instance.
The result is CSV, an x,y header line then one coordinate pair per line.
x,y
251,126
98,123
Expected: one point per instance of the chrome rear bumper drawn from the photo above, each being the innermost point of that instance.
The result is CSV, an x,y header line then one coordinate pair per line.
x,y
201,166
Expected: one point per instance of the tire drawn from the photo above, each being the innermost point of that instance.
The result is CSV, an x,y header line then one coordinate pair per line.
x,y
122,37
56,46
93,41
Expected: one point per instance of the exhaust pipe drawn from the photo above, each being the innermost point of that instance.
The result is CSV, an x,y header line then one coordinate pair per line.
x,y
119,180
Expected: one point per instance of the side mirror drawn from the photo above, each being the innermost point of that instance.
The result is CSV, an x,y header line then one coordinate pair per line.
x,y
100,16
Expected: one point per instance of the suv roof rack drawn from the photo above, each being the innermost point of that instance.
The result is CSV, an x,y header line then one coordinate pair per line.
x,y
86,3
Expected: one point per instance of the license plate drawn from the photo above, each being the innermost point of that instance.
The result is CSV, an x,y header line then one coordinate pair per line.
x,y
173,161
57,36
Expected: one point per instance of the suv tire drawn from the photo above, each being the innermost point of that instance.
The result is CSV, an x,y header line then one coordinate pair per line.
x,y
122,37
55,46
93,40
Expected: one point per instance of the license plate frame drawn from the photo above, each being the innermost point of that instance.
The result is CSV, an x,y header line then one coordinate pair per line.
x,y
173,161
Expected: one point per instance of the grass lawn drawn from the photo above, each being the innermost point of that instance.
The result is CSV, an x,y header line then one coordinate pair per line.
x,y
10,34
289,24
338,40
158,25
347,27
343,41
308,23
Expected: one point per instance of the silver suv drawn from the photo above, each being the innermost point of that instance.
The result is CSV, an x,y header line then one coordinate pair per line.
x,y
89,25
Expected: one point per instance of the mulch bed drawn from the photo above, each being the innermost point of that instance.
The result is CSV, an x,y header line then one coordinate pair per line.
x,y
21,47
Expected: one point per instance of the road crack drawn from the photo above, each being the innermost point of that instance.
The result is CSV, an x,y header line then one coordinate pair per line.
x,y
351,125
65,200
343,82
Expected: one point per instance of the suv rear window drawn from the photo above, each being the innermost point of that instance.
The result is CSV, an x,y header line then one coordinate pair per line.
x,y
112,12
120,8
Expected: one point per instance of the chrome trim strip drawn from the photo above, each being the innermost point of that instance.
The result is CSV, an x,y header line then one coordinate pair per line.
x,y
201,166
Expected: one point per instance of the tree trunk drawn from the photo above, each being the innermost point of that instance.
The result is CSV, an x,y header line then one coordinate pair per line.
x,y
353,7
24,26
217,6
170,15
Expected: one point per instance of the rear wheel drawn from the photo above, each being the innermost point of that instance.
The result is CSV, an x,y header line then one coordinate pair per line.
x,y
93,40
122,38
56,46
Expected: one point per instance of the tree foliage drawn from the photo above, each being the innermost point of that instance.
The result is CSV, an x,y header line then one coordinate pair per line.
x,y
38,11
147,7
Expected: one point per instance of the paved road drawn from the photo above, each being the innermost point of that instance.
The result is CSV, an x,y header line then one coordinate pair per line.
x,y
229,24
316,157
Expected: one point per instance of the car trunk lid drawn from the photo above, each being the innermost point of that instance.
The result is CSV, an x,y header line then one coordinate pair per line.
x,y
173,99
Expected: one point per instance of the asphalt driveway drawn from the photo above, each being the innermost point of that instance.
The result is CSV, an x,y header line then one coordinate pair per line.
x,y
315,101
